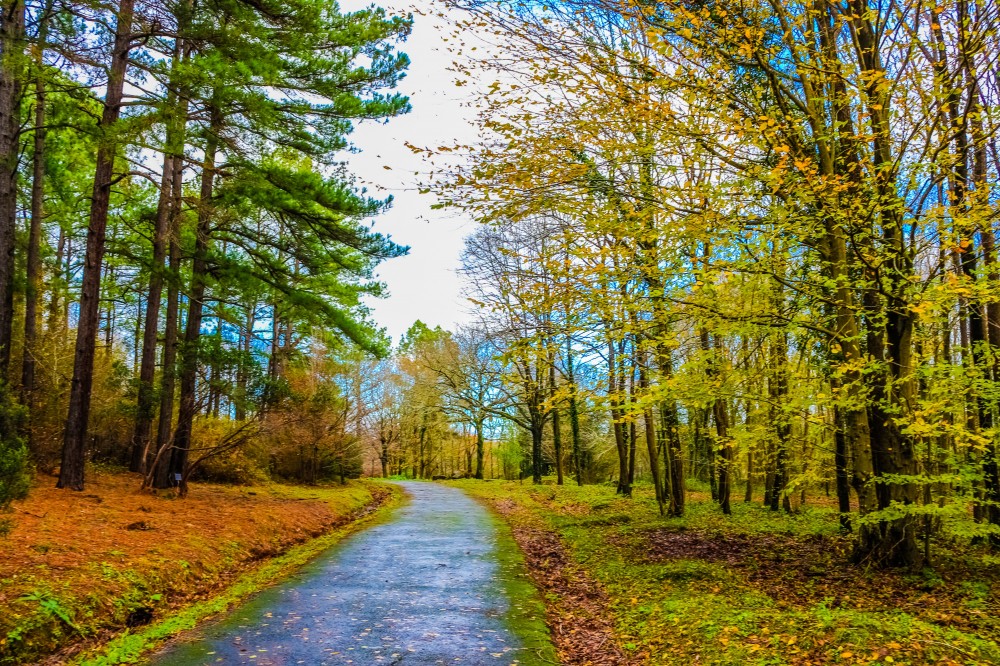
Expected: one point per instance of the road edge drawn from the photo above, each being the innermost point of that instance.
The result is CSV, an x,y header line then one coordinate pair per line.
x,y
527,616
574,601
129,647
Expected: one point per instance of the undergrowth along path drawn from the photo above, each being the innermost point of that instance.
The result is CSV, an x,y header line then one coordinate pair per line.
x,y
439,583
78,570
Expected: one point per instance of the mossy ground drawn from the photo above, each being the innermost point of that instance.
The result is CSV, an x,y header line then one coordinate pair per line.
x,y
526,617
760,587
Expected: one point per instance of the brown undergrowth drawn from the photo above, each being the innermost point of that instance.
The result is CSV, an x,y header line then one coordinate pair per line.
x,y
798,571
79,567
575,603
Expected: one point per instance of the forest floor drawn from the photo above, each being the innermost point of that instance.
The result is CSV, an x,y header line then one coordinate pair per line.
x,y
624,586
78,568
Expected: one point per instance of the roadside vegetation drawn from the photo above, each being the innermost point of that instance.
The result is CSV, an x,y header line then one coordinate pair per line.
x,y
79,569
756,587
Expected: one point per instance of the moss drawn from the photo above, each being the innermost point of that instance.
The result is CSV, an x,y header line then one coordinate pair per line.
x,y
526,615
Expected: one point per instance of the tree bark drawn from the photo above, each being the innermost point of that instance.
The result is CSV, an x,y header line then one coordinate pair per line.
x,y
778,395
840,469
480,448
574,415
670,423
720,415
33,281
616,421
11,81
75,437
651,450
556,432
196,301
176,118
146,400
159,475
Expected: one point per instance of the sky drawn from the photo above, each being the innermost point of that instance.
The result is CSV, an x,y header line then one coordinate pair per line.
x,y
425,284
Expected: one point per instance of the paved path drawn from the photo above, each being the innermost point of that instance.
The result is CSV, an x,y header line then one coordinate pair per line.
x,y
422,588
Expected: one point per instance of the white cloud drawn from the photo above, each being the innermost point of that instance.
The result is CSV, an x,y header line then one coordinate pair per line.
x,y
425,284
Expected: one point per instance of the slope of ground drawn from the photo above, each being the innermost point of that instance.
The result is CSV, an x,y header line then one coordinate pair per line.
x,y
756,588
79,567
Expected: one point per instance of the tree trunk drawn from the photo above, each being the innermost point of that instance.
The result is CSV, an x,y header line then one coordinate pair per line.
x,y
68,278
632,437
616,421
242,372
778,395
556,433
56,286
196,302
670,423
537,433
74,440
989,310
160,474
480,448
840,469
721,418
214,379
146,400
173,156
11,75
33,281
650,436
574,415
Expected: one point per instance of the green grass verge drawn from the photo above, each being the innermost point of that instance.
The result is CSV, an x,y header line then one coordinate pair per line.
x,y
526,615
781,600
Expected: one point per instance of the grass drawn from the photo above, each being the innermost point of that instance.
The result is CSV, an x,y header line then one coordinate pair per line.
x,y
526,616
759,587
79,568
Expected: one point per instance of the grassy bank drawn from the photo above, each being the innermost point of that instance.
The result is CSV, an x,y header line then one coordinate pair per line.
x,y
755,588
81,568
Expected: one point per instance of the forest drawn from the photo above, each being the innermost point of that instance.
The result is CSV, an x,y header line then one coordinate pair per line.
x,y
733,265
760,238
178,229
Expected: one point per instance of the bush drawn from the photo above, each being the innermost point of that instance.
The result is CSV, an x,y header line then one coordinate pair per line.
x,y
242,465
236,467
14,476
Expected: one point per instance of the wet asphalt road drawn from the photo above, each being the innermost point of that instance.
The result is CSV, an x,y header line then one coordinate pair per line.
x,y
419,589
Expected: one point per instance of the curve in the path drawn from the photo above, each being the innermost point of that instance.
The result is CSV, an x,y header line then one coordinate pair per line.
x,y
422,588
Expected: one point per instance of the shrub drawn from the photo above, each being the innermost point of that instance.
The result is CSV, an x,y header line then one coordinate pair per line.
x,y
14,476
